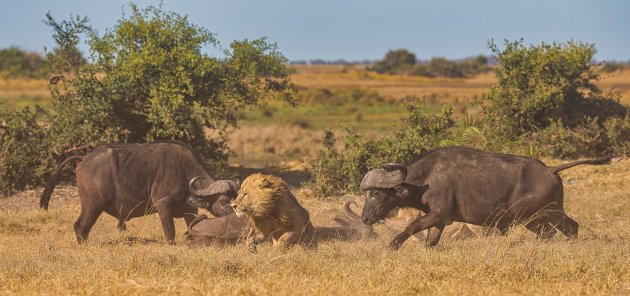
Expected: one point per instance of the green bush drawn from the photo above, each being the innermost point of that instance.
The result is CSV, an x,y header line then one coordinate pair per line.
x,y
148,80
540,84
24,156
548,94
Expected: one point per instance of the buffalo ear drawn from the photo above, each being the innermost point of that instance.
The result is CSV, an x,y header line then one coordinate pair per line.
x,y
237,179
402,191
198,202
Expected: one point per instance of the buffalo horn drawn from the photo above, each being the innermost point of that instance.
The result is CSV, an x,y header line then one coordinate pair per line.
x,y
217,187
349,212
390,177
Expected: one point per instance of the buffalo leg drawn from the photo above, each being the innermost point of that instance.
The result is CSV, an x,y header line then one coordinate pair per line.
x,y
166,218
188,213
541,227
565,224
109,209
432,219
84,223
433,236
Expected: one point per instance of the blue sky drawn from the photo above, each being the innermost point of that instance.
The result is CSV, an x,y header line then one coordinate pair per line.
x,y
357,29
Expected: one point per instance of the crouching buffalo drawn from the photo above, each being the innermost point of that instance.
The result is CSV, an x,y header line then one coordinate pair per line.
x,y
133,180
471,186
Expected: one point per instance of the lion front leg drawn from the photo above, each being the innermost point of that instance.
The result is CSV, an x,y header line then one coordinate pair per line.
x,y
286,240
253,239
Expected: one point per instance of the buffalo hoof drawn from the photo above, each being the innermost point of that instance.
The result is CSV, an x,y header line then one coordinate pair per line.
x,y
394,245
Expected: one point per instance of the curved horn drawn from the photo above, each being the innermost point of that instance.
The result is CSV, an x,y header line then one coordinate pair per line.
x,y
217,187
349,212
392,166
392,176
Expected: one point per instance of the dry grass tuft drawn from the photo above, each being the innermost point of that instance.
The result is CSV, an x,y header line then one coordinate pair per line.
x,y
39,254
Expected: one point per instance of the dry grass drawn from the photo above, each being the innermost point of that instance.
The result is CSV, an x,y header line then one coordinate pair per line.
x,y
39,254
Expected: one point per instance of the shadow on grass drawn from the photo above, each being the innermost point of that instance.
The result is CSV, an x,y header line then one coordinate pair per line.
x,y
132,240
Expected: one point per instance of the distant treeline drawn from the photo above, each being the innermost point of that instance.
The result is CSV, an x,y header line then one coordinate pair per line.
x,y
402,61
15,62
19,63
491,60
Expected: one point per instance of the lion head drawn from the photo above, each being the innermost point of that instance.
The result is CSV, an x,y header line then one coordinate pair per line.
x,y
271,206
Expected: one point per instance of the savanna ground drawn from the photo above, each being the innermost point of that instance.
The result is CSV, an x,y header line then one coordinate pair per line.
x,y
39,254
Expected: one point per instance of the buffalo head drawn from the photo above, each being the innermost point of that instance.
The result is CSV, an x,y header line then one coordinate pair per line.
x,y
216,197
384,191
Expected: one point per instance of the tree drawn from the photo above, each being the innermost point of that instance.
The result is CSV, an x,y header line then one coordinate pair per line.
x,y
396,61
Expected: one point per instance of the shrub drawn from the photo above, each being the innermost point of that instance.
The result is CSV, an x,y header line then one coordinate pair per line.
x,y
544,89
23,149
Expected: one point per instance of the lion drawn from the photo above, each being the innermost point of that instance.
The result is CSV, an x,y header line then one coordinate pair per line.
x,y
276,215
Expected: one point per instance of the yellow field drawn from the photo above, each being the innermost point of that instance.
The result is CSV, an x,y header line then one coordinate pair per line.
x,y
39,254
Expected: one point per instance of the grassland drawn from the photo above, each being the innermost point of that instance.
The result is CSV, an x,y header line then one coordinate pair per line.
x,y
39,254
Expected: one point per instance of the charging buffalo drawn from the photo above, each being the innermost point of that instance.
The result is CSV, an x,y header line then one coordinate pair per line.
x,y
133,180
471,186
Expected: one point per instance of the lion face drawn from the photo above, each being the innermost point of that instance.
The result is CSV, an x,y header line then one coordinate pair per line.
x,y
243,204
258,195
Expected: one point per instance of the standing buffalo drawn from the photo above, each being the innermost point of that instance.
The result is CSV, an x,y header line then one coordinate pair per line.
x,y
471,186
133,180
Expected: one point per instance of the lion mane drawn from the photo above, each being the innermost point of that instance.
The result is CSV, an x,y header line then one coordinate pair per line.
x,y
276,215
273,210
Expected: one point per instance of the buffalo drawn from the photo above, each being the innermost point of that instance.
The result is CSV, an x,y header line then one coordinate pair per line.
x,y
471,186
133,180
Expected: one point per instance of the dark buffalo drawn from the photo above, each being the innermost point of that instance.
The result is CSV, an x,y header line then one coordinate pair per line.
x,y
471,186
133,180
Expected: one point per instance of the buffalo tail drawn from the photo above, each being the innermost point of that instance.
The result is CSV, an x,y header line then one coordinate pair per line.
x,y
597,161
52,182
